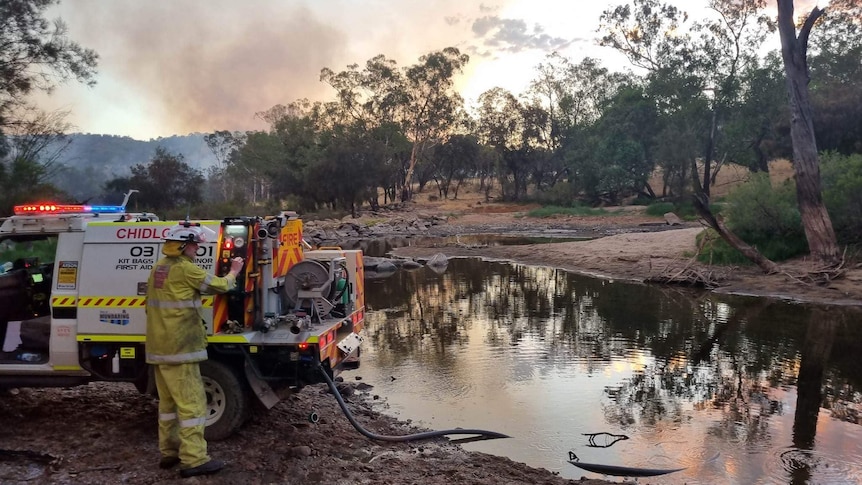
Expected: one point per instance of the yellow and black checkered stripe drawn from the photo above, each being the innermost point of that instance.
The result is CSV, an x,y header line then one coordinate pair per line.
x,y
109,302
64,301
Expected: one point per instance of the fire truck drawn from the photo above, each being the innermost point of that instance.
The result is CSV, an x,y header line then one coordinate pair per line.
x,y
73,281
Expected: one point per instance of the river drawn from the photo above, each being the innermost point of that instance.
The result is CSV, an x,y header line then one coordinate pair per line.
x,y
734,390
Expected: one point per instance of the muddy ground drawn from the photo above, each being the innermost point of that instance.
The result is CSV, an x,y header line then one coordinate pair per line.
x,y
106,433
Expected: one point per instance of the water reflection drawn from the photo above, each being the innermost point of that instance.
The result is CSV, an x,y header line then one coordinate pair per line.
x,y
739,390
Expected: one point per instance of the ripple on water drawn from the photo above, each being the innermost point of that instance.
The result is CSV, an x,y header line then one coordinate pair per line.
x,y
813,466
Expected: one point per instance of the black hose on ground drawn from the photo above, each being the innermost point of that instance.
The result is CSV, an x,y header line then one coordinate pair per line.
x,y
482,434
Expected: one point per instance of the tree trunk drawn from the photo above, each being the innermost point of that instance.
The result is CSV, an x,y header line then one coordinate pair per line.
x,y
815,220
405,189
701,204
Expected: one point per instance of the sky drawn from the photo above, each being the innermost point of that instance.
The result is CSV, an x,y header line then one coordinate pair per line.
x,y
173,67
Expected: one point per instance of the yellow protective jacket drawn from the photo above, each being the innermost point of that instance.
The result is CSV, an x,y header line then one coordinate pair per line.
x,y
175,327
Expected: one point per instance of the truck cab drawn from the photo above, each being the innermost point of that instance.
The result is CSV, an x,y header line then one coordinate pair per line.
x,y
72,304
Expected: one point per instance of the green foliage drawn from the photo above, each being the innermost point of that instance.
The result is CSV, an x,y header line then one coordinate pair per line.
x,y
842,193
717,251
43,249
576,210
165,183
561,194
660,208
325,213
757,211
683,209
35,56
763,216
22,182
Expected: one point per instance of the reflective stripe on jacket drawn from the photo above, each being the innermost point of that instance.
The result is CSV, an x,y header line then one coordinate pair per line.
x,y
175,327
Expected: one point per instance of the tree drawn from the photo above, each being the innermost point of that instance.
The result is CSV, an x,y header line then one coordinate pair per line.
x,y
224,145
431,102
350,167
35,143
698,70
454,159
501,128
165,183
35,55
815,219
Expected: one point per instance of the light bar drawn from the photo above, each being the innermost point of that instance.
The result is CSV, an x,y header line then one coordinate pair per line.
x,y
36,209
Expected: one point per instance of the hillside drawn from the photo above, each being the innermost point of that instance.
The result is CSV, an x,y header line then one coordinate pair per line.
x,y
91,160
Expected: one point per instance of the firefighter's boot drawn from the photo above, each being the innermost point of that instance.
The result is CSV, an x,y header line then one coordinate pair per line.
x,y
208,468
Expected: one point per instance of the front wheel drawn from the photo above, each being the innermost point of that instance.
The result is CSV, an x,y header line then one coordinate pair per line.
x,y
227,400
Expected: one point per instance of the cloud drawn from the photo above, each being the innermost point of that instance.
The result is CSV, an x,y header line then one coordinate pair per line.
x,y
513,35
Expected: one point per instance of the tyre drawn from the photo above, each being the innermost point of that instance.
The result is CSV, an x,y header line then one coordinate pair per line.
x,y
227,400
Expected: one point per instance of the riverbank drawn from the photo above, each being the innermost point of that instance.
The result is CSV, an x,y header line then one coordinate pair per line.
x,y
627,245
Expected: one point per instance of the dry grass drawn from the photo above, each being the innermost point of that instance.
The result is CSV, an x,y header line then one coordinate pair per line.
x,y
729,176
471,200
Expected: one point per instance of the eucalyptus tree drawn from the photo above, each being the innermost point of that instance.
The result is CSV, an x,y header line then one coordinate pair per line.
x,y
655,38
36,55
420,98
35,144
757,133
700,65
347,172
371,96
692,63
562,103
165,183
501,128
254,164
454,160
727,45
375,99
623,141
431,103
835,60
224,145
819,232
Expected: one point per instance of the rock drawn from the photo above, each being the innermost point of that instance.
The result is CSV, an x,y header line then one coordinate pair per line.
x,y
439,260
672,219
410,265
300,451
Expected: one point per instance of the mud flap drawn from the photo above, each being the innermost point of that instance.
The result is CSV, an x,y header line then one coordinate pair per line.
x,y
261,389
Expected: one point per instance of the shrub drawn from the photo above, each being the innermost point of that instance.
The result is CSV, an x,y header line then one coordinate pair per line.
x,y
716,250
660,208
577,210
842,194
763,216
756,211
561,194
685,210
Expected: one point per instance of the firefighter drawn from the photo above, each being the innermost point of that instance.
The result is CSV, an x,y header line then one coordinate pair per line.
x,y
176,344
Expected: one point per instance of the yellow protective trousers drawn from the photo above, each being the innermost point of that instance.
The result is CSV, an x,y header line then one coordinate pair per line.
x,y
182,413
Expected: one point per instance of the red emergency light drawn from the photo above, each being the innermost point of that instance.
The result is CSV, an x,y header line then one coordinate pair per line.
x,y
47,208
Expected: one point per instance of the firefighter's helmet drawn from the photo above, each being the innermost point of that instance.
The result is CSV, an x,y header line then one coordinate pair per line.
x,y
190,232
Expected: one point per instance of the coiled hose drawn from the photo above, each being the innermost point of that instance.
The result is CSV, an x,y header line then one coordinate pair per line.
x,y
482,434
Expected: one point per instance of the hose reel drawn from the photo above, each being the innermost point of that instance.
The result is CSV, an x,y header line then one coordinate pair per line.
x,y
308,286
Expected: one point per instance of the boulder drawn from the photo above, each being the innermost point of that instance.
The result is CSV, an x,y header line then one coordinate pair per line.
x,y
672,219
